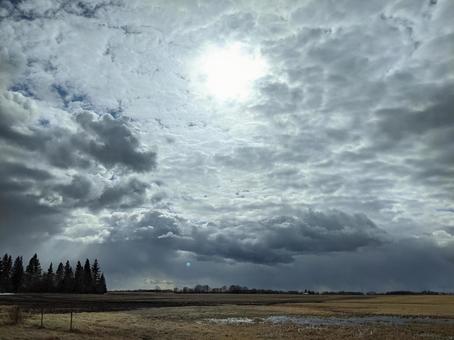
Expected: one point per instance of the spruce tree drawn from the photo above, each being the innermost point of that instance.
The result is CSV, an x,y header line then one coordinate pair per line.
x,y
49,281
8,272
88,280
79,278
68,279
2,289
5,273
28,276
102,288
17,275
85,279
33,275
59,276
95,275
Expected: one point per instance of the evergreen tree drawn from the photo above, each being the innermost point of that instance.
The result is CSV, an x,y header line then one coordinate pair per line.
x,y
49,280
33,275
79,278
102,288
17,275
95,274
88,280
68,279
59,276
2,289
99,284
28,276
6,264
7,268
85,279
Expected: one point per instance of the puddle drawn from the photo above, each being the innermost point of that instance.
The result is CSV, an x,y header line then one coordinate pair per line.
x,y
353,320
232,321
332,321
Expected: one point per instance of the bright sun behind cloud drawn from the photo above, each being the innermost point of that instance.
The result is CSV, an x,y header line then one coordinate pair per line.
x,y
229,72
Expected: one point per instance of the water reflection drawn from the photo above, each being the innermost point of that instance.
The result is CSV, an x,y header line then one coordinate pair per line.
x,y
332,321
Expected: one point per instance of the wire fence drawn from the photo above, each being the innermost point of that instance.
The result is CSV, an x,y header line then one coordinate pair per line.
x,y
17,314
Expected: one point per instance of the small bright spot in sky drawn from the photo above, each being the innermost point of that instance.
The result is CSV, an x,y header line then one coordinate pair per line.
x,y
228,72
188,264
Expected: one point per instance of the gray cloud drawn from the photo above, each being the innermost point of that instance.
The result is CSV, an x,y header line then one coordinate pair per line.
x,y
79,188
350,124
37,200
114,143
102,140
268,241
396,265
23,208
122,196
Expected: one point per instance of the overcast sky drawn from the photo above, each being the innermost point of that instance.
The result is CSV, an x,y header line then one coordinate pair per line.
x,y
281,144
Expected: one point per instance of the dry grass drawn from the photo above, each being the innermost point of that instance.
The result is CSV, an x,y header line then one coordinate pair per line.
x,y
426,305
191,322
12,315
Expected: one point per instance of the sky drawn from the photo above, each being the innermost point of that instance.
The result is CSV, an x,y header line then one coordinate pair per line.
x,y
272,144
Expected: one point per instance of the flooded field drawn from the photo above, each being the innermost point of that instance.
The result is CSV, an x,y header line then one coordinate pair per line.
x,y
333,321
381,317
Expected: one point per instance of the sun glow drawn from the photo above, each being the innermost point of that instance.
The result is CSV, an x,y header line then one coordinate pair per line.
x,y
229,72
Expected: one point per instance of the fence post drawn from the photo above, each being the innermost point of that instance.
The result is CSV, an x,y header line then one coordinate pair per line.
x,y
71,322
42,317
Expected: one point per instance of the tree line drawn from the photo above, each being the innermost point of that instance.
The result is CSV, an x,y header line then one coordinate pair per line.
x,y
84,279
234,289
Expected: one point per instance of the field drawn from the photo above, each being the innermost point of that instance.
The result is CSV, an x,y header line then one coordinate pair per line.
x,y
227,316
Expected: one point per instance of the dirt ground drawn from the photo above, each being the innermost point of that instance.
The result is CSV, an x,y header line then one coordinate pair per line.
x,y
212,322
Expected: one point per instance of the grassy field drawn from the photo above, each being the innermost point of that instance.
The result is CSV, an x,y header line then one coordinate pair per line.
x,y
224,316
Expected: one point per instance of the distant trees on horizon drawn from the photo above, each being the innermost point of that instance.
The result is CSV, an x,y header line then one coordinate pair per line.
x,y
235,289
84,279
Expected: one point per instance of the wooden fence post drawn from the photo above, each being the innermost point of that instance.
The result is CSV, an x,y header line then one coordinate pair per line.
x,y
42,317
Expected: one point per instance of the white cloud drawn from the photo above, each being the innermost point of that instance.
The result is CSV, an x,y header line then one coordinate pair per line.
x,y
352,113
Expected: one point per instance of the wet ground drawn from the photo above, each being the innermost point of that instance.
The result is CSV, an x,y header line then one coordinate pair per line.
x,y
254,317
331,321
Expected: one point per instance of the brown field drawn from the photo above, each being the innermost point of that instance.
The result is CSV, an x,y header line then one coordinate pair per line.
x,y
206,316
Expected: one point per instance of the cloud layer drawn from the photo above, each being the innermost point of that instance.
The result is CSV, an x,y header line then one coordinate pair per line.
x,y
340,158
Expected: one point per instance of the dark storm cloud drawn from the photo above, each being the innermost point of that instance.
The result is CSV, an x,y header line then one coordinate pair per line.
x,y
22,207
130,194
104,140
113,143
323,232
268,241
36,199
414,264
152,226
21,172
83,192
78,189
33,200
395,124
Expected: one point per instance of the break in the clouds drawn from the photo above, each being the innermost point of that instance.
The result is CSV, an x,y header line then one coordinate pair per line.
x,y
287,144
